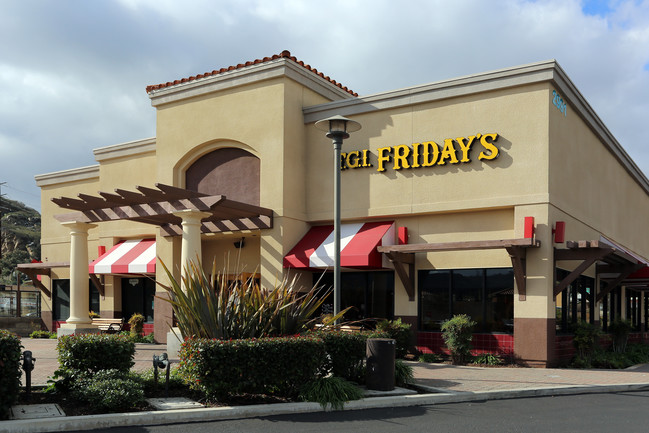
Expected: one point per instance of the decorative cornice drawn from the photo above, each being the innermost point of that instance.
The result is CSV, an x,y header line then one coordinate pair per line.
x,y
130,148
246,75
72,175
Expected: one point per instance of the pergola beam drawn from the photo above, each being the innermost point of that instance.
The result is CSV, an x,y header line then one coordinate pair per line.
x,y
462,245
160,206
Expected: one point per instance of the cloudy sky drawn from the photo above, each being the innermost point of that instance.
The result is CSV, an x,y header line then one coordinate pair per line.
x,y
73,72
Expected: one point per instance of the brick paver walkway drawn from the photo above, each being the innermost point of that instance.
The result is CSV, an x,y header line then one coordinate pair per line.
x,y
473,379
447,377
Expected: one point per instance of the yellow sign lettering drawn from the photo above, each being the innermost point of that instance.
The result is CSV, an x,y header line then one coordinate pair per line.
x,y
383,157
465,148
431,153
448,153
401,153
352,159
487,142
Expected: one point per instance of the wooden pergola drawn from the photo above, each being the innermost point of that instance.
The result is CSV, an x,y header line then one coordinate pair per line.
x,y
160,207
404,255
614,265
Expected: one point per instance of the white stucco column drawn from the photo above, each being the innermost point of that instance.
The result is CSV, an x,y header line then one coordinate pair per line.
x,y
190,249
79,321
191,242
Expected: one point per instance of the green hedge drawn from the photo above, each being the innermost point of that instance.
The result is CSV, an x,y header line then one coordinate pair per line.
x,y
9,371
347,352
272,366
109,390
95,352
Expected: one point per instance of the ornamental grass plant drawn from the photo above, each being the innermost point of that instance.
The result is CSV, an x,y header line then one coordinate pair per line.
x,y
216,305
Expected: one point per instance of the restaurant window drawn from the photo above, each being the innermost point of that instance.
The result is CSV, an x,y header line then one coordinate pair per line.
x,y
485,295
61,299
369,294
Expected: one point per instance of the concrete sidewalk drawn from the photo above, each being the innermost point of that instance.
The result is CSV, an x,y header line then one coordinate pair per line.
x,y
446,383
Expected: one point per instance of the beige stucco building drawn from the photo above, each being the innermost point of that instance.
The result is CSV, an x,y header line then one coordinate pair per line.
x,y
456,186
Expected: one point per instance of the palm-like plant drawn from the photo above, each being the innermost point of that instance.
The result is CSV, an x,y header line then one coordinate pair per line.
x,y
213,306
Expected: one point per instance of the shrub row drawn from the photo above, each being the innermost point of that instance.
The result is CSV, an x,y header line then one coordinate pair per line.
x,y
271,366
95,352
9,371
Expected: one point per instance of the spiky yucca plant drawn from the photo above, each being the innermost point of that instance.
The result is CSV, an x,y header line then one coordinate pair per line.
x,y
213,306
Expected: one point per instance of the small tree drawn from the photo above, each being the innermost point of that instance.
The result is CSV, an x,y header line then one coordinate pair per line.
x,y
457,334
137,324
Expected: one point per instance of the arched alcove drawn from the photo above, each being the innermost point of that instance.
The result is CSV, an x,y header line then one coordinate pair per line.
x,y
226,171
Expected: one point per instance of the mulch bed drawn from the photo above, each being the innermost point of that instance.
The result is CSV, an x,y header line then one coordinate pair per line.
x,y
73,407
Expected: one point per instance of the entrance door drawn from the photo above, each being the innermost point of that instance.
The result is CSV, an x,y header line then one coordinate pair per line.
x,y
137,297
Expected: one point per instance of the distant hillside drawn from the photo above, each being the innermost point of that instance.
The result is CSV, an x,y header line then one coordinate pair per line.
x,y
21,237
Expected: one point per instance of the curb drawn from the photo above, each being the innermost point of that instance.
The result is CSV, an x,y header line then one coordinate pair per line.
x,y
91,422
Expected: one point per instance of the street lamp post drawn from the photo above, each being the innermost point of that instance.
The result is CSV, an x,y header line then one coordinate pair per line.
x,y
337,128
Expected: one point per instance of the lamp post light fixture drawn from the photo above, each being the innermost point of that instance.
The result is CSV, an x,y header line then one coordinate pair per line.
x,y
337,128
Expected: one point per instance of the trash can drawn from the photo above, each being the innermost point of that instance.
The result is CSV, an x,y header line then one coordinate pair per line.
x,y
380,364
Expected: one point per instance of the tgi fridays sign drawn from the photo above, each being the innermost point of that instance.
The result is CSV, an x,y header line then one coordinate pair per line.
x,y
425,154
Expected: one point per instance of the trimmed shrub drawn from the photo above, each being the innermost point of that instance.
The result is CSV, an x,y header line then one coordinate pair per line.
x,y
95,352
585,340
137,324
109,390
400,332
42,334
272,366
457,333
9,371
620,330
147,378
331,391
346,352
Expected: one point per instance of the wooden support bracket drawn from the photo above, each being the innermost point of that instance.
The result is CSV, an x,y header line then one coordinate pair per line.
x,y
517,255
98,284
625,271
588,256
407,278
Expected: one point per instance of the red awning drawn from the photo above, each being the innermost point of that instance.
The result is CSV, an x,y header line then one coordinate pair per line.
x,y
358,244
136,256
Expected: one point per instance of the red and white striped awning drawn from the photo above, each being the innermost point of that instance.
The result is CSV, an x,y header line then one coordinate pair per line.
x,y
358,244
136,256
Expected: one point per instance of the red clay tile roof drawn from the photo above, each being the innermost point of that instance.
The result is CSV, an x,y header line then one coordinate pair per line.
x,y
284,54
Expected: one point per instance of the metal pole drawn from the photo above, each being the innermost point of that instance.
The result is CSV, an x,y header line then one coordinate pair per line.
x,y
337,142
